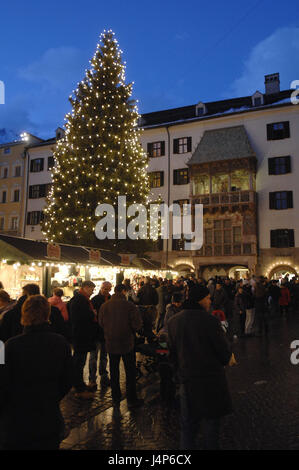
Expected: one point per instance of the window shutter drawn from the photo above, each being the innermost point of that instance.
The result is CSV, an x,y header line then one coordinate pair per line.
x,y
175,145
288,163
42,190
30,192
150,149
272,200
273,238
162,178
286,128
291,238
175,177
290,199
28,218
189,144
271,166
162,148
41,164
269,131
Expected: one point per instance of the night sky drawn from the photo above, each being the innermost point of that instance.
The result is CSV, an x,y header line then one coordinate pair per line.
x,y
177,53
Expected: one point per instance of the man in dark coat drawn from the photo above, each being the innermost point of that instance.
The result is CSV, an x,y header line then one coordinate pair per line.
x,y
97,301
36,375
120,320
199,351
85,334
148,300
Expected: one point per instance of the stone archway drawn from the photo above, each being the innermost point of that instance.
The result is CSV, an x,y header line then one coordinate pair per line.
x,y
280,271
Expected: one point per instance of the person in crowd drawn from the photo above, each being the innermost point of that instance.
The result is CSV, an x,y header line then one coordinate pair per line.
x,y
240,307
249,308
85,335
220,299
284,299
1,285
120,320
296,296
171,309
274,295
130,293
100,350
40,362
199,361
162,302
148,300
56,301
260,295
6,304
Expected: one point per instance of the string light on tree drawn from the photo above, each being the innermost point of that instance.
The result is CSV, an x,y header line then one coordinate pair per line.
x,y
100,156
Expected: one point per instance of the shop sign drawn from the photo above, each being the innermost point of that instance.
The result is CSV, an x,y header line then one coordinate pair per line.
x,y
53,251
94,256
126,259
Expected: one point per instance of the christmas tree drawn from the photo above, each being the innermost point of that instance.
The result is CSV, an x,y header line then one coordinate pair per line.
x,y
100,157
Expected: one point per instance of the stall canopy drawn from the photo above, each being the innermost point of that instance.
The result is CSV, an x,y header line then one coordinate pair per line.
x,y
25,251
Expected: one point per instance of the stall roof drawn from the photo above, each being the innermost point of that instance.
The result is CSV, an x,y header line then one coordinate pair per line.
x,y
144,263
26,250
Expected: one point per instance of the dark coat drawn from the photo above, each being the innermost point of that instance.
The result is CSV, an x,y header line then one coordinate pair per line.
x,y
147,295
37,374
120,319
162,298
85,330
240,302
220,299
199,351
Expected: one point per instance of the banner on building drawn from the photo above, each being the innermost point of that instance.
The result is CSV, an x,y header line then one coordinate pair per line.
x,y
94,256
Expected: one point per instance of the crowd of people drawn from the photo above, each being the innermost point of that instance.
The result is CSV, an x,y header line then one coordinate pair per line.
x,y
48,343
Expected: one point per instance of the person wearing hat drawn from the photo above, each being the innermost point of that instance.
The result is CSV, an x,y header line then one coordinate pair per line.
x,y
199,351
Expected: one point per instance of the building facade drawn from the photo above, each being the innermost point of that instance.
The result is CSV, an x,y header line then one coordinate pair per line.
x,y
13,185
239,158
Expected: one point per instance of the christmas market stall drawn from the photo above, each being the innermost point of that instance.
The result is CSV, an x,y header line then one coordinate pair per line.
x,y
24,261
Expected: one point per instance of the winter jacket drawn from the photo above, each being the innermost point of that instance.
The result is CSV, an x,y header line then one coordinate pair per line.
x,y
240,302
85,331
199,351
220,299
147,295
58,303
120,319
37,374
285,297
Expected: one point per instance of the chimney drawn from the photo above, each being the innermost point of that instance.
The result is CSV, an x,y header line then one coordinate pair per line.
x,y
272,83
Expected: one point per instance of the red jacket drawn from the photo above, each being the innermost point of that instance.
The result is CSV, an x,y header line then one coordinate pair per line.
x,y
285,297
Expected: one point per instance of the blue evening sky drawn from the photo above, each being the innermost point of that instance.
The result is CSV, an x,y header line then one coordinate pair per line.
x,y
177,52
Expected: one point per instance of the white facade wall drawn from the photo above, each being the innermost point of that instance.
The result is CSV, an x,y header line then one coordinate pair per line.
x,y
35,178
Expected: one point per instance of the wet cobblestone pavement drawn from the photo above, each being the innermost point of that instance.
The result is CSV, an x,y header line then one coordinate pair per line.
x,y
265,392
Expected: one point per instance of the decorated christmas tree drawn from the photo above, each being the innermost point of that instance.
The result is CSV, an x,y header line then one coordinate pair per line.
x,y
100,157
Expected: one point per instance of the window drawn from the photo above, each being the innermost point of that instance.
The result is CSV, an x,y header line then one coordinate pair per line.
x,y
17,171
156,149
282,238
220,183
36,165
239,180
6,150
281,200
14,222
156,179
258,101
236,234
35,217
38,190
3,200
16,195
279,165
181,176
278,130
2,221
5,173
182,145
201,185
51,163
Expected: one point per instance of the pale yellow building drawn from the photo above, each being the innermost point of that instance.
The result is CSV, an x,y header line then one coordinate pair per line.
x,y
13,175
